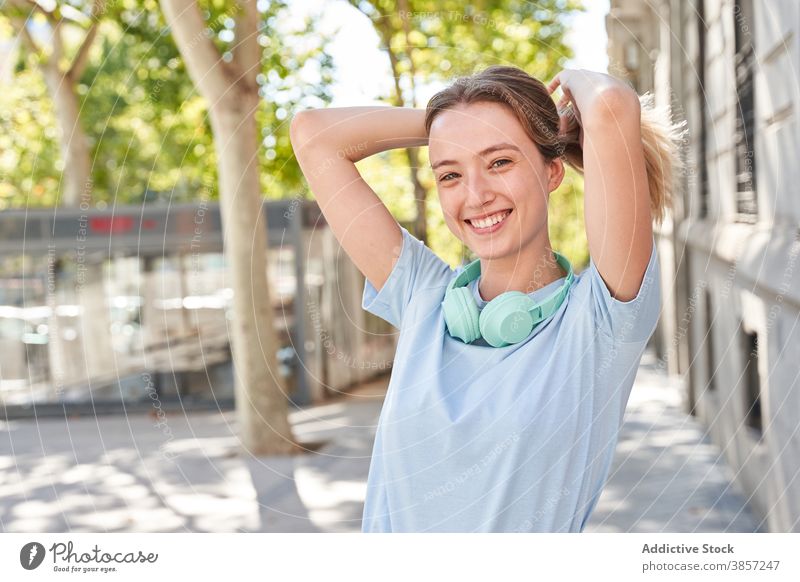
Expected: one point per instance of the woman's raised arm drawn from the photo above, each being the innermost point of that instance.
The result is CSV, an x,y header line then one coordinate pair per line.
x,y
328,142
617,195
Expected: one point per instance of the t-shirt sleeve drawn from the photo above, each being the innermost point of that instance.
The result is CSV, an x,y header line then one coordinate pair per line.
x,y
417,268
631,321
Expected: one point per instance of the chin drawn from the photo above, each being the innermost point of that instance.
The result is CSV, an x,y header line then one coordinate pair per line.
x,y
489,251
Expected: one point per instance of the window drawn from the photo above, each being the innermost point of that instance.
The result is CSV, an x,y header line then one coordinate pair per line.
x,y
744,60
709,343
752,383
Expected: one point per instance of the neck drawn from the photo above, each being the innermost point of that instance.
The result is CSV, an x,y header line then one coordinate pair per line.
x,y
526,271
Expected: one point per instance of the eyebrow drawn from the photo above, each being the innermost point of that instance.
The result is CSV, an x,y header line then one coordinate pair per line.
x,y
489,150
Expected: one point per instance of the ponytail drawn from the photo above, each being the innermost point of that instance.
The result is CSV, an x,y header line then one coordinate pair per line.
x,y
661,139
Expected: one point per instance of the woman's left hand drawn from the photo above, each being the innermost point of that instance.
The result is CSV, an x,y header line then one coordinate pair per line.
x,y
580,91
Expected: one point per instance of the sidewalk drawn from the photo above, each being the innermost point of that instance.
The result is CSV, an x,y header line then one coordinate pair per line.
x,y
667,476
125,474
111,473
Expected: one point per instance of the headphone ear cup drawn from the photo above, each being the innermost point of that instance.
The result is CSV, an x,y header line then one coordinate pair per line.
x,y
506,319
461,315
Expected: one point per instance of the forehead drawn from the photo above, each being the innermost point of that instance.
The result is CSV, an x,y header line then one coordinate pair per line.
x,y
466,129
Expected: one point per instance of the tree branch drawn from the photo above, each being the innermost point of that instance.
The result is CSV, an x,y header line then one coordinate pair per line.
x,y
58,46
385,33
210,74
25,35
19,15
247,52
409,50
82,56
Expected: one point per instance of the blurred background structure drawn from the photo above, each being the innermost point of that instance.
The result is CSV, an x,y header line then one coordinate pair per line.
x,y
119,408
159,309
729,326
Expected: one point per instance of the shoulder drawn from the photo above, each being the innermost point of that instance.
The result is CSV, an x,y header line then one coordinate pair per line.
x,y
417,272
630,321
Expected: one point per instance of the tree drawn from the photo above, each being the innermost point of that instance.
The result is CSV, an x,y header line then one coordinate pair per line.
x,y
146,128
228,81
61,74
433,40
151,127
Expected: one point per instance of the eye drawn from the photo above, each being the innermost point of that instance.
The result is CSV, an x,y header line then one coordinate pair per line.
x,y
501,160
445,178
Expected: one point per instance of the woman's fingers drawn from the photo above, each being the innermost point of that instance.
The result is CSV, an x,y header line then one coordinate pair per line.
x,y
552,85
569,116
567,111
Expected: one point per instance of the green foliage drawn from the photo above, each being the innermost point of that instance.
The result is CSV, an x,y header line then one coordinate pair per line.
x,y
152,118
566,221
147,126
286,61
29,154
441,39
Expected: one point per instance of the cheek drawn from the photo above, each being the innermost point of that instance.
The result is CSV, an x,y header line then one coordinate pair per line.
x,y
450,212
528,193
451,221
449,208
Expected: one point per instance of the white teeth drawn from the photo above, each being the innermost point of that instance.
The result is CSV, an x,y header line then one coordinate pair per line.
x,y
494,219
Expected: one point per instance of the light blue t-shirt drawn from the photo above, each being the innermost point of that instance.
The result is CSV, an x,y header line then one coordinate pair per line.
x,y
473,438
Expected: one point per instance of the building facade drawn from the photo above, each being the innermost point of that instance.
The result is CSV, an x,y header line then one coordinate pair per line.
x,y
730,254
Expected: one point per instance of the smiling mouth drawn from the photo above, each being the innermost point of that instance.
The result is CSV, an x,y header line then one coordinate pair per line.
x,y
487,224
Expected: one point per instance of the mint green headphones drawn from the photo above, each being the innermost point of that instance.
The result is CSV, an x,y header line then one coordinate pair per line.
x,y
507,319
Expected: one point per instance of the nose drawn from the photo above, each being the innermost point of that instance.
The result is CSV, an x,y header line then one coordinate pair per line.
x,y
479,192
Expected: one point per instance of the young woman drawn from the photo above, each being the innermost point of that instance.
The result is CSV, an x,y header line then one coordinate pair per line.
x,y
512,374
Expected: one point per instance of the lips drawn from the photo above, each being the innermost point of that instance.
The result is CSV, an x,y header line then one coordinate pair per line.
x,y
494,227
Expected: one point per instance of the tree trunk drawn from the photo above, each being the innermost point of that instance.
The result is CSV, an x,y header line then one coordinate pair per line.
x,y
261,403
75,191
76,177
231,90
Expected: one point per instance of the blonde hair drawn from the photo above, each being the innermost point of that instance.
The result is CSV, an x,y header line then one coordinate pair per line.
x,y
528,99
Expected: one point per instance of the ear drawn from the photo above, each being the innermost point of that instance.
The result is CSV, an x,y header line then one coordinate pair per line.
x,y
556,169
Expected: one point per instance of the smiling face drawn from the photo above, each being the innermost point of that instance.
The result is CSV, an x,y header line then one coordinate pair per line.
x,y
486,165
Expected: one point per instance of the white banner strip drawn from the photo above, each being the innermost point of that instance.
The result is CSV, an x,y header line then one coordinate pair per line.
x,y
402,557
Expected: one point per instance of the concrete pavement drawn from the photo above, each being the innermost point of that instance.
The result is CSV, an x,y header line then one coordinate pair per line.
x,y
667,476
128,474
